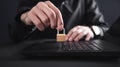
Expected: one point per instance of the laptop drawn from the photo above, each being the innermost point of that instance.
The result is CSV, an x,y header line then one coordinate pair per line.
x,y
93,48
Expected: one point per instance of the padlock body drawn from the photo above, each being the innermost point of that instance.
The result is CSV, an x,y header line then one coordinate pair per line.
x,y
61,37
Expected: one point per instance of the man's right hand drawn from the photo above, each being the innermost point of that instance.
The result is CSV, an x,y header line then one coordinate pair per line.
x,y
43,15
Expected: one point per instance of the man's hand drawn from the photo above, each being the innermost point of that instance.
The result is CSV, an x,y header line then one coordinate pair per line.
x,y
79,32
43,15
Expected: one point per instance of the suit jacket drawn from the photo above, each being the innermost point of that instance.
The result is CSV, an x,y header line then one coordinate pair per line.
x,y
74,12
114,29
113,34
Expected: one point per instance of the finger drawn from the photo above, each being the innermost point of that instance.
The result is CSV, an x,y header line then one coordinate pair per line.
x,y
36,21
44,19
58,14
80,32
61,27
78,37
50,13
28,21
70,33
73,36
25,19
88,37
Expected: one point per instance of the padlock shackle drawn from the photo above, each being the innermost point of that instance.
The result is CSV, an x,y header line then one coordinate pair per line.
x,y
58,32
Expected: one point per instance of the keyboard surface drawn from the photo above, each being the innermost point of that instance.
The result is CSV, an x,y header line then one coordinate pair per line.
x,y
52,45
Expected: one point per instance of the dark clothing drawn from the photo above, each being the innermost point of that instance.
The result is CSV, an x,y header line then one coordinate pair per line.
x,y
74,12
114,29
113,34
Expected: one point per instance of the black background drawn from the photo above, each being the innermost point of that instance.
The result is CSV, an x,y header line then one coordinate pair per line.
x,y
110,9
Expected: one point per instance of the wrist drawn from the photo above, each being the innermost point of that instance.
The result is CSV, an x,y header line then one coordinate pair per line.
x,y
95,30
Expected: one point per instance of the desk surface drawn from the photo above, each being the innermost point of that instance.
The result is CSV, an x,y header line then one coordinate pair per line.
x,y
9,58
61,63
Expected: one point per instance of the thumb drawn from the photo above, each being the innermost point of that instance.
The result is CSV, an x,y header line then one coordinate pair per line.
x,y
88,37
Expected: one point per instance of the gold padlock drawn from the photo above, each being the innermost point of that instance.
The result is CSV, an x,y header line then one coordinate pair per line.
x,y
61,37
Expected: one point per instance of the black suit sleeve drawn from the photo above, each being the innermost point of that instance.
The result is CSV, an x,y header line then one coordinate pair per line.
x,y
18,30
95,17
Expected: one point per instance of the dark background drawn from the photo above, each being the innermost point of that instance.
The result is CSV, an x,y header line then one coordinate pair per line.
x,y
110,9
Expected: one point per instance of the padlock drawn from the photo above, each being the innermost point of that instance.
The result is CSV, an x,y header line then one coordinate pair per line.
x,y
61,37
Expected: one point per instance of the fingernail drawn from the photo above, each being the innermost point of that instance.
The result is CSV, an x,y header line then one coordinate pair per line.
x,y
70,39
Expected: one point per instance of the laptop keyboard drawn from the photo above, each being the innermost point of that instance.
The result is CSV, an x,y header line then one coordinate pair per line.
x,y
65,46
80,46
